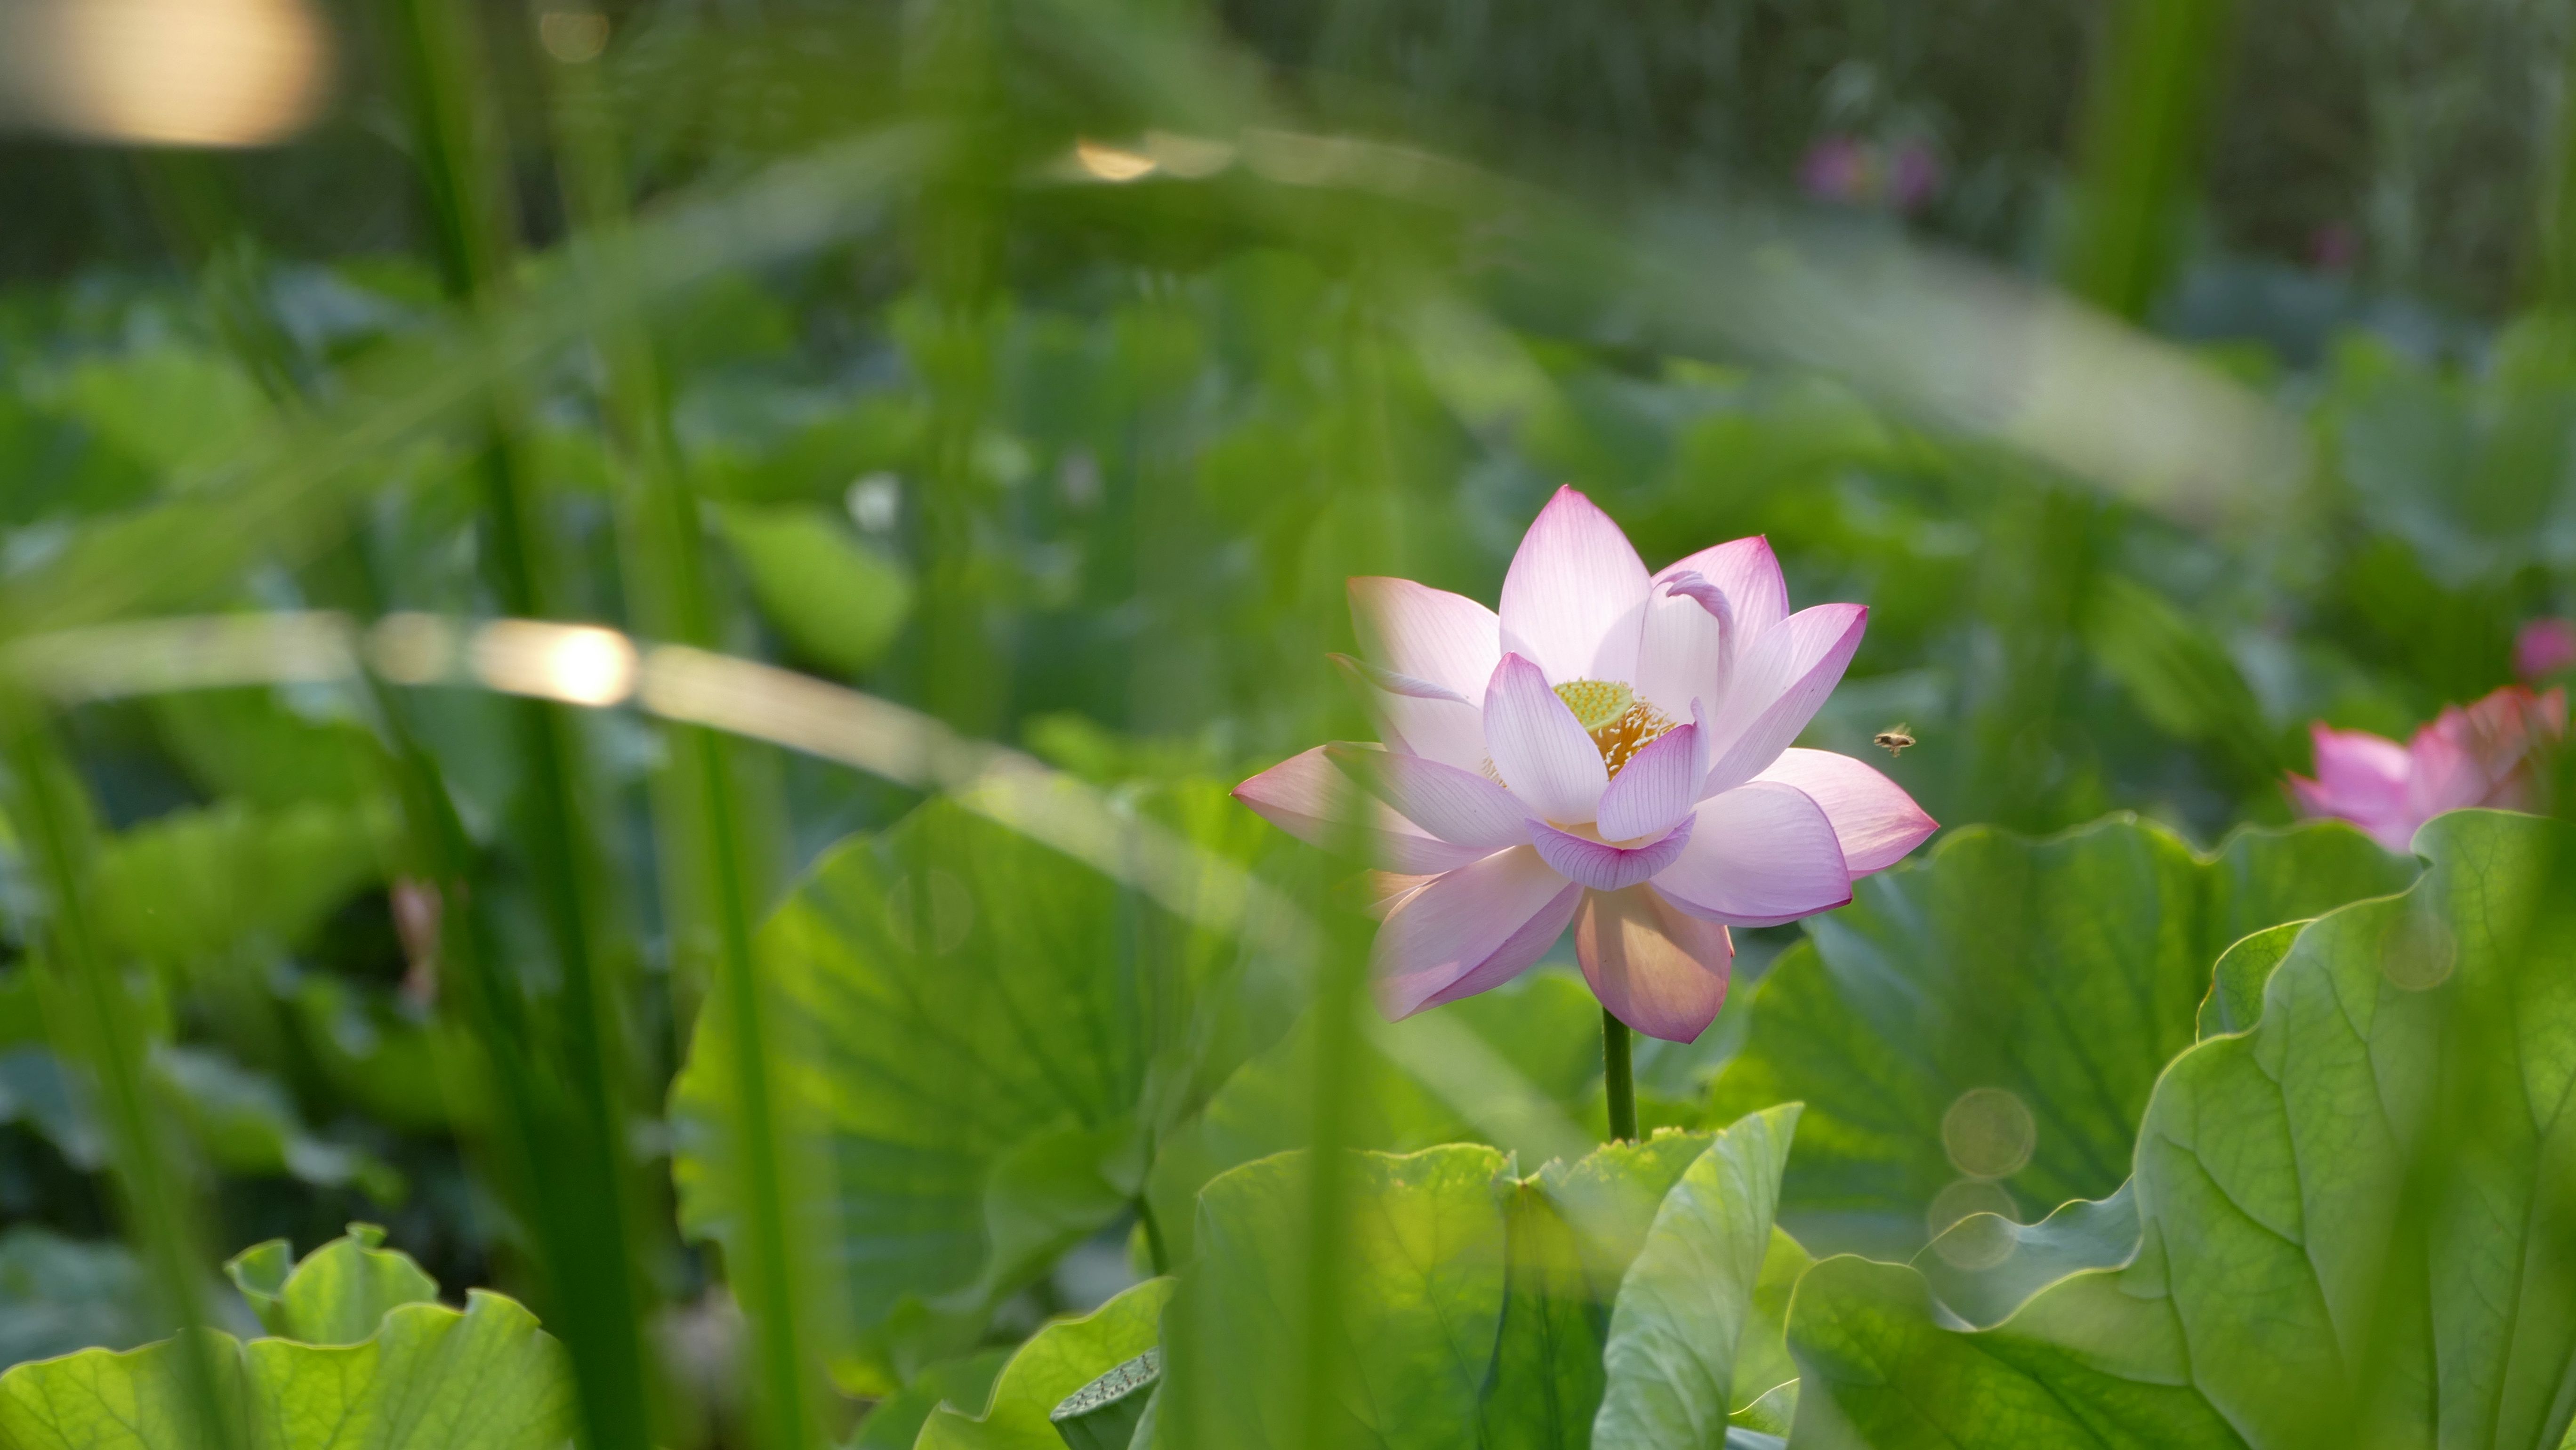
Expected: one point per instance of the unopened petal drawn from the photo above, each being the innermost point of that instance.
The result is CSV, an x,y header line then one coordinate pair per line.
x,y
1656,968
1432,634
1685,648
1306,796
1469,921
1748,573
1455,805
1759,855
1574,594
1874,820
1777,686
1539,748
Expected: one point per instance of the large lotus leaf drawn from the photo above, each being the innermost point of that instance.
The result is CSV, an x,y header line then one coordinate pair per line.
x,y
195,882
430,1378
1057,1360
2353,1217
1989,1021
1598,1302
972,1038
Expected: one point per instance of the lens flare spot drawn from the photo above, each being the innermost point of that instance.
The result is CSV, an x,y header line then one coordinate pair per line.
x,y
1988,1133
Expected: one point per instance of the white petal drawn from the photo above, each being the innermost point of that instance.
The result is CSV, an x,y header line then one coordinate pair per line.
x,y
1459,923
1684,650
1777,686
1749,575
1575,594
1308,798
1656,788
1431,634
1540,749
1875,821
1455,805
1759,855
1437,726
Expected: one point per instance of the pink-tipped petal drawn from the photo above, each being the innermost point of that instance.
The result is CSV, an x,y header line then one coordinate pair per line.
x,y
1686,646
1575,591
1778,684
1434,725
1520,952
1759,855
1430,634
2358,772
1604,867
1458,925
1749,574
1308,798
1453,804
1540,749
1656,788
1657,969
1875,821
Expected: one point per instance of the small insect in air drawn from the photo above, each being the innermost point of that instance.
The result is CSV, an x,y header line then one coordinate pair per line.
x,y
1893,740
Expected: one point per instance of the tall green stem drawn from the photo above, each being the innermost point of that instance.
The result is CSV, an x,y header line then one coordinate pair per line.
x,y
92,1023
2142,143
1619,1077
702,827
570,1107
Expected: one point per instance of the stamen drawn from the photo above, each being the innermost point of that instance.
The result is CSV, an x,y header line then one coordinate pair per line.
x,y
1618,722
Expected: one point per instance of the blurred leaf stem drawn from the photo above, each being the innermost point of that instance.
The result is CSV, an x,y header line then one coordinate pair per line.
x,y
703,831
91,1020
2155,79
582,1197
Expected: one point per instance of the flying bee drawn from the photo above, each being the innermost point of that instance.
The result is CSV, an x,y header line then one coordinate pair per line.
x,y
1893,740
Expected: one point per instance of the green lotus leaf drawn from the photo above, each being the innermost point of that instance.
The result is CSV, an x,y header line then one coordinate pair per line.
x,y
1979,1031
1059,1359
2349,1215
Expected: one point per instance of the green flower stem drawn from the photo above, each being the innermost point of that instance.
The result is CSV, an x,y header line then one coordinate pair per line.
x,y
702,828
91,1021
1619,1077
570,1107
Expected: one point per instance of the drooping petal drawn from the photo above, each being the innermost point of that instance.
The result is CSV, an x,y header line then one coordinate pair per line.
x,y
1749,574
1656,968
1875,821
1759,855
1777,686
1657,787
1308,798
1431,634
1687,645
1419,717
2359,771
1605,867
1456,805
1539,748
1460,924
1518,953
1574,594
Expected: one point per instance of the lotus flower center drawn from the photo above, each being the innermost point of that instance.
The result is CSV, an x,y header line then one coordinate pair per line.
x,y
1618,722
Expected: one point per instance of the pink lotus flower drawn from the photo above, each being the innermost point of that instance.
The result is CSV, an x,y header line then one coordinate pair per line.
x,y
2544,646
2477,756
1611,752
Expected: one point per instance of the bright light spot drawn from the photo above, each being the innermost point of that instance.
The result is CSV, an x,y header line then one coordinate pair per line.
x,y
412,649
163,72
1988,1133
574,37
579,664
875,502
1971,1223
1109,163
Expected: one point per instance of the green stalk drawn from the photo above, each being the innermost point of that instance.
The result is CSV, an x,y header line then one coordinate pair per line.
x,y
702,830
2144,134
92,1022
1619,1077
572,1120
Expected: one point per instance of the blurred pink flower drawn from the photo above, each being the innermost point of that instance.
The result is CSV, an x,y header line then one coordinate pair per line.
x,y
1857,172
1611,752
1836,168
2544,647
2479,755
